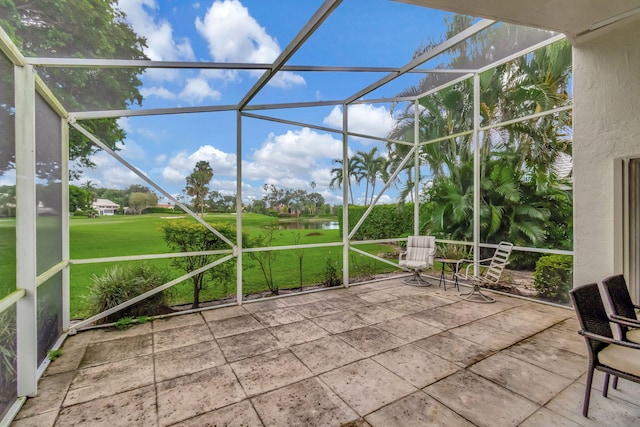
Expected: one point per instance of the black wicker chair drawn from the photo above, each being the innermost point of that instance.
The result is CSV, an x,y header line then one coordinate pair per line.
x,y
623,310
606,354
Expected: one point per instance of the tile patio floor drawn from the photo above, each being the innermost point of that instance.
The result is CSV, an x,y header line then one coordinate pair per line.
x,y
380,354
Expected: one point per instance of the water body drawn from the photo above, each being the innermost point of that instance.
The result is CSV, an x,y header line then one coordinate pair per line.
x,y
308,225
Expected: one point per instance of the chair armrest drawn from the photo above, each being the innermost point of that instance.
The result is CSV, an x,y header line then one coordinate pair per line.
x,y
625,321
608,340
403,255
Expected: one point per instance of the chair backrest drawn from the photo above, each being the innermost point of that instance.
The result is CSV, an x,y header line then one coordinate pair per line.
x,y
421,248
498,262
591,314
617,293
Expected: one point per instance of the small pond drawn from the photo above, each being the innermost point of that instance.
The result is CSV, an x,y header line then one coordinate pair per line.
x,y
302,224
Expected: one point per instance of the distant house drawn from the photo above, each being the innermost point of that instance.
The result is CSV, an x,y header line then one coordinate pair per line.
x,y
105,207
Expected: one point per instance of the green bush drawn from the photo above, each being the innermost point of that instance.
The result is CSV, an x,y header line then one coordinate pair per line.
x,y
7,356
331,275
122,283
553,277
384,221
156,209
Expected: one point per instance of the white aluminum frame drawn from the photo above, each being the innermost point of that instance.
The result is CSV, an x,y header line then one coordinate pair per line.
x,y
27,83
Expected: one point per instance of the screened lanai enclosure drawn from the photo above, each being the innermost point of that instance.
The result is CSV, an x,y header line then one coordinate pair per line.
x,y
472,126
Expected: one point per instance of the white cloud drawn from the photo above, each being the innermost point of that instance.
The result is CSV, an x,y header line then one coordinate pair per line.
x,y
286,80
182,164
123,123
109,173
197,89
160,159
157,91
291,159
363,118
233,35
161,45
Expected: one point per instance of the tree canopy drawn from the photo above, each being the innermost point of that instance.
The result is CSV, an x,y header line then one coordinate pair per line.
x,y
79,29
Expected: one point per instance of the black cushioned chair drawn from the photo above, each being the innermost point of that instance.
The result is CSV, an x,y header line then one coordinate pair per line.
x,y
606,354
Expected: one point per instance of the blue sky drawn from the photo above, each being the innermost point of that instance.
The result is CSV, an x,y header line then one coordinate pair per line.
x,y
166,148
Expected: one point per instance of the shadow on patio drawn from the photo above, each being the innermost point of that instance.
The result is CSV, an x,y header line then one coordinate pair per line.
x,y
380,354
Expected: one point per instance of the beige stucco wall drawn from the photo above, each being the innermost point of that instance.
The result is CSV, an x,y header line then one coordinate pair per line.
x,y
606,126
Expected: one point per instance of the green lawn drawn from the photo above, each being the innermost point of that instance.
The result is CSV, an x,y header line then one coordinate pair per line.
x,y
7,256
136,235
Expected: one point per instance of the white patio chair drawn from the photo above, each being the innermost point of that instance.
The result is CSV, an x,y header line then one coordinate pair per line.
x,y
490,272
420,253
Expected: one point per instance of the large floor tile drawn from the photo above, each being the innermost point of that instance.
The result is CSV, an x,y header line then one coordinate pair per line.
x,y
51,392
455,349
375,313
132,408
371,340
408,329
234,326
249,344
180,321
316,309
298,332
381,385
178,337
378,297
404,306
117,349
223,313
348,301
543,417
326,354
492,338
308,403
530,381
340,322
562,362
307,298
281,316
46,419
603,411
416,365
195,394
124,375
239,414
481,401
268,305
187,360
269,371
417,409
108,334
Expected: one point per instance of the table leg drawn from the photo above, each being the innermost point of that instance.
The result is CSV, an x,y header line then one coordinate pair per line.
x,y
443,279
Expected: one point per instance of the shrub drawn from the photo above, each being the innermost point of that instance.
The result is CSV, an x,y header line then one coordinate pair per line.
x,y
7,356
188,236
122,283
331,276
553,277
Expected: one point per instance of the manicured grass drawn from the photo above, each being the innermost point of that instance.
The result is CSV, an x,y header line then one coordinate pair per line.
x,y
136,235
7,256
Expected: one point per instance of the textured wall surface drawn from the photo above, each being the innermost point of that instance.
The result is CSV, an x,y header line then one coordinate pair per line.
x,y
606,126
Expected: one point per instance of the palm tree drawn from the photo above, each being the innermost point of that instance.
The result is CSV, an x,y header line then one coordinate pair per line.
x,y
198,183
355,172
517,178
373,167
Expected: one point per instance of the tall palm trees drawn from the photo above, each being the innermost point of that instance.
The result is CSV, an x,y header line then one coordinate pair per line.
x,y
364,165
517,178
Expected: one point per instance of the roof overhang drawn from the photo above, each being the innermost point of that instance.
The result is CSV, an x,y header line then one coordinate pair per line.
x,y
579,20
